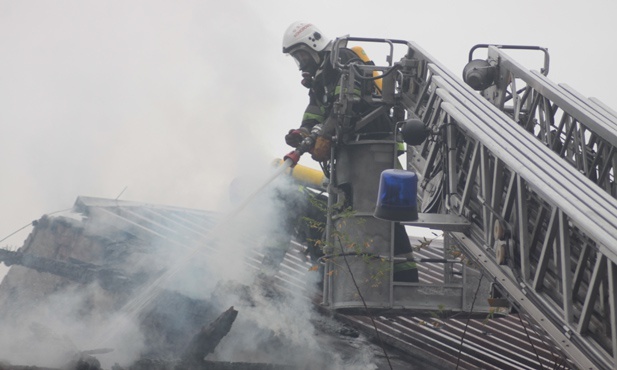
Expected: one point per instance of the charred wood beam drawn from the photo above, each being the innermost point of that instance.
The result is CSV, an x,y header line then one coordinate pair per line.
x,y
202,344
208,338
193,358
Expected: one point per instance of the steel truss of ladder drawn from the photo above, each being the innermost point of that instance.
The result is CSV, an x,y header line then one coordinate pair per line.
x,y
581,131
541,228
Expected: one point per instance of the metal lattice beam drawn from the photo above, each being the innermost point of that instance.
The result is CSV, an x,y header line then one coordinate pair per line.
x,y
582,131
562,231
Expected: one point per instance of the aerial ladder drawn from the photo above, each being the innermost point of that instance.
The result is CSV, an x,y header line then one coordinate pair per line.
x,y
517,171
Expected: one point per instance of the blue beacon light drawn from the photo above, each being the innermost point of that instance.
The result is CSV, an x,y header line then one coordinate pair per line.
x,y
397,196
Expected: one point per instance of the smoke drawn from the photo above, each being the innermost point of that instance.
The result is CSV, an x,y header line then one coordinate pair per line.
x,y
277,320
65,324
202,270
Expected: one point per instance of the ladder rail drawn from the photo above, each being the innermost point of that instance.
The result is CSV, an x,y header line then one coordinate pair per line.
x,y
553,262
572,103
583,131
592,208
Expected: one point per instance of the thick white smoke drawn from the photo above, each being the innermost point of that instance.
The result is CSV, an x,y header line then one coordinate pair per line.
x,y
276,320
63,325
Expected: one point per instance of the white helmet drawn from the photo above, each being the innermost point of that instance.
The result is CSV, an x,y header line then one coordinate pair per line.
x,y
304,36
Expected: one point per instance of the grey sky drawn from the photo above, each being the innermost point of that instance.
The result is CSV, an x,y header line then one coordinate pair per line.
x,y
172,99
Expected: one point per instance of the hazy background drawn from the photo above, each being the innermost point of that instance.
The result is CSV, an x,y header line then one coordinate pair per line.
x,y
167,101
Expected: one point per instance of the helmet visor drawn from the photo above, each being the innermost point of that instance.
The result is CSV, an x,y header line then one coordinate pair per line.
x,y
303,58
306,58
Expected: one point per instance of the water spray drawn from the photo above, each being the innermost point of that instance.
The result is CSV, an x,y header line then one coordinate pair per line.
x,y
135,306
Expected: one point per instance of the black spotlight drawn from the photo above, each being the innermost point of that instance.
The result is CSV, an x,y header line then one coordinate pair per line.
x,y
479,74
414,132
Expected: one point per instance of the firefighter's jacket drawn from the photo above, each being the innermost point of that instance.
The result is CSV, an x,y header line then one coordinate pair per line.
x,y
325,90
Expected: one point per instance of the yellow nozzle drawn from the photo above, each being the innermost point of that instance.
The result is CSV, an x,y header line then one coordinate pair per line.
x,y
306,175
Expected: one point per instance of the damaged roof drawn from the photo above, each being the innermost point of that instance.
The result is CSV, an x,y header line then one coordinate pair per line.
x,y
131,286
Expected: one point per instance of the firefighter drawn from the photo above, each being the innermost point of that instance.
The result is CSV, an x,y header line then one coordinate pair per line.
x,y
312,51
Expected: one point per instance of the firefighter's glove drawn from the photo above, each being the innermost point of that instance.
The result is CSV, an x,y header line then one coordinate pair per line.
x,y
295,136
307,80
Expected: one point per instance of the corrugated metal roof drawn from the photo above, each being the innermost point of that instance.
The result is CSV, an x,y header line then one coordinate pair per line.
x,y
511,342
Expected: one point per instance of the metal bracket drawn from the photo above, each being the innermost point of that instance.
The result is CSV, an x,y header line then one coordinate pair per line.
x,y
445,222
